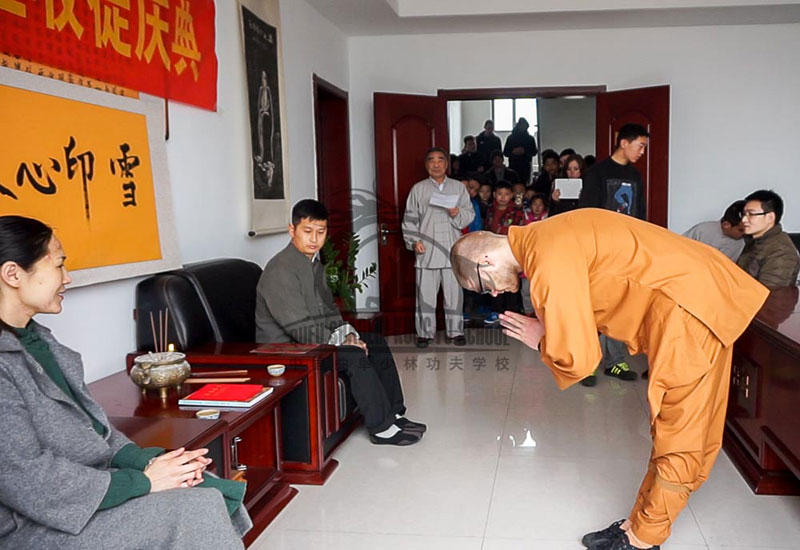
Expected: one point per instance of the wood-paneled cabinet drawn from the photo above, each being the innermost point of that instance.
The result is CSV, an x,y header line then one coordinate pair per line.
x,y
762,430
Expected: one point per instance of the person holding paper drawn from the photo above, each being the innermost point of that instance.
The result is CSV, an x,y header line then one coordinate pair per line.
x,y
575,168
437,209
70,480
679,301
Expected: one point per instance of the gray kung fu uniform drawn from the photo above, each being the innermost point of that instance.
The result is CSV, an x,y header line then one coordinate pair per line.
x,y
438,232
711,234
56,471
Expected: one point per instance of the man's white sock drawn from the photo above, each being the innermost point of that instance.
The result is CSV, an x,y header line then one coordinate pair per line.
x,y
388,432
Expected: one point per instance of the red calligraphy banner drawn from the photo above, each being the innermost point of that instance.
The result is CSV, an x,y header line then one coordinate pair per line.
x,y
160,47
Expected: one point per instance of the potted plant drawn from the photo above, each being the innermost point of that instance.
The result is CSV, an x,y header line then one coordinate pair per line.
x,y
342,277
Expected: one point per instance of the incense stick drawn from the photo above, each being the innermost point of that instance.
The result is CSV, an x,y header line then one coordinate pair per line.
x,y
160,330
153,326
166,330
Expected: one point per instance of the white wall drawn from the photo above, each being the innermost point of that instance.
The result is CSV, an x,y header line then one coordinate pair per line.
x,y
209,167
565,122
455,115
473,115
735,117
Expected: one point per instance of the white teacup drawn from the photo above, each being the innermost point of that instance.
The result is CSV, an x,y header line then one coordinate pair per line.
x,y
276,370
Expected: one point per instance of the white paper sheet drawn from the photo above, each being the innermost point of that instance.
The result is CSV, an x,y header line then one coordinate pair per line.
x,y
570,187
445,201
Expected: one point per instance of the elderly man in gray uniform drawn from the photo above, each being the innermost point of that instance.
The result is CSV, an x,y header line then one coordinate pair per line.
x,y
437,209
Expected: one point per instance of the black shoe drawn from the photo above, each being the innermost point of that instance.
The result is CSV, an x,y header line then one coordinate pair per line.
x,y
604,538
458,340
423,342
621,371
646,374
401,439
590,380
622,544
410,426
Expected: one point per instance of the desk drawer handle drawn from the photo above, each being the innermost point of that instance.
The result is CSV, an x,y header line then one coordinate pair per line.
x,y
235,455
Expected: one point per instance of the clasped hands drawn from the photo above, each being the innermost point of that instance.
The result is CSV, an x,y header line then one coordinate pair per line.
x,y
177,469
352,340
527,330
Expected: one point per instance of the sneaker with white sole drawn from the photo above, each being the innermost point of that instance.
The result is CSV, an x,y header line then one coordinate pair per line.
x,y
492,319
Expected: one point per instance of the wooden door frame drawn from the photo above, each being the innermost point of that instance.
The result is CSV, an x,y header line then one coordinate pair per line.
x,y
320,83
471,94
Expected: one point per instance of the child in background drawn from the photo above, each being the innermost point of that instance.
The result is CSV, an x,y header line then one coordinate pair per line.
x,y
473,185
475,305
536,212
519,194
503,214
485,198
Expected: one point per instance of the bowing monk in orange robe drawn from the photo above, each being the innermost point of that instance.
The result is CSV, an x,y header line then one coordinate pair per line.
x,y
679,301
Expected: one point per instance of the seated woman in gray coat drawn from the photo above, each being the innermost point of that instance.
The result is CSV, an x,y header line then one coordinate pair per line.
x,y
68,478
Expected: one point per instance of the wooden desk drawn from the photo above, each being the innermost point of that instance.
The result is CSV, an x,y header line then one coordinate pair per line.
x,y
253,435
316,420
762,429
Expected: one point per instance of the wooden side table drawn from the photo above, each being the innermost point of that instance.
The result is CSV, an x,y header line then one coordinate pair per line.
x,y
250,437
316,419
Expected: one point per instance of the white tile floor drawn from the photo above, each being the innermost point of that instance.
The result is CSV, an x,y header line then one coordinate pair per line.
x,y
511,463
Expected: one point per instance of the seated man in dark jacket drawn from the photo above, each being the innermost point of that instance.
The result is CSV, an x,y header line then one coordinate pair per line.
x,y
769,254
294,304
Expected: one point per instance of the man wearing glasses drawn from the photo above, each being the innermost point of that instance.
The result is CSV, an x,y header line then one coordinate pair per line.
x,y
677,300
769,254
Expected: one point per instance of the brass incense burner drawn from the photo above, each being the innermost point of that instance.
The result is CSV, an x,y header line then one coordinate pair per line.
x,y
160,370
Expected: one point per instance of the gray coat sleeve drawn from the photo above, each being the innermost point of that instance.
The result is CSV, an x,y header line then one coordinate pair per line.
x,y
36,483
283,292
412,219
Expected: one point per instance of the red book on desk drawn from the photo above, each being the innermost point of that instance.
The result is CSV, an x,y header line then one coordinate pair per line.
x,y
227,395
287,348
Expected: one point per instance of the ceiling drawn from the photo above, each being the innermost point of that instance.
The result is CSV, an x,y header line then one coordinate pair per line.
x,y
397,17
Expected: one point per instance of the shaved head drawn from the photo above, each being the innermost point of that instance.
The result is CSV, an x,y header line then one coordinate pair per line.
x,y
498,267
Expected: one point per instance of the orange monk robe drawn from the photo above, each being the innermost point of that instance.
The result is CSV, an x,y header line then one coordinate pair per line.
x,y
679,301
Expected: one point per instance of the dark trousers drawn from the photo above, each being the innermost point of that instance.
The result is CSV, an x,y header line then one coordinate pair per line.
x,y
507,301
373,380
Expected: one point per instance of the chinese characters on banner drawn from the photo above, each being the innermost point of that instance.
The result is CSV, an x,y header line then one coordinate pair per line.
x,y
83,169
161,47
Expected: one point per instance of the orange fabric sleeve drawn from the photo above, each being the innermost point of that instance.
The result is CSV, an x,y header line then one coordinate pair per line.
x,y
560,295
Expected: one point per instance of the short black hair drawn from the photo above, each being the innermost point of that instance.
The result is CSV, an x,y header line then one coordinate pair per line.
x,y
589,160
432,150
567,151
540,197
477,176
497,153
770,202
550,154
503,184
629,132
468,138
488,121
309,209
733,214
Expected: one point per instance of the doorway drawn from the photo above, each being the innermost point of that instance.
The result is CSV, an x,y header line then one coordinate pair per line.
x,y
332,138
407,124
556,123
